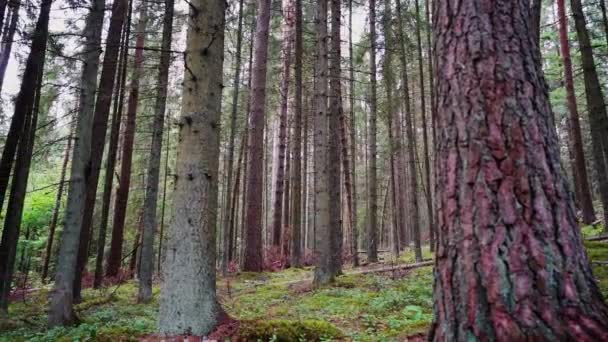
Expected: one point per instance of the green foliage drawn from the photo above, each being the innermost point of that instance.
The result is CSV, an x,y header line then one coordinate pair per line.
x,y
591,231
597,251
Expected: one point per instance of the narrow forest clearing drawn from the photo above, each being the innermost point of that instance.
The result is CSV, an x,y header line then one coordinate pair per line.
x,y
373,306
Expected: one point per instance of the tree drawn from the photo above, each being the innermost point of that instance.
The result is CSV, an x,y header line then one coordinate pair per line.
x,y
122,193
7,39
22,125
253,222
228,207
91,124
146,268
296,193
583,194
596,106
188,300
372,229
510,264
353,143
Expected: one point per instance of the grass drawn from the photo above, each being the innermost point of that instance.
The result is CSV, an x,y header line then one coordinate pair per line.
x,y
278,306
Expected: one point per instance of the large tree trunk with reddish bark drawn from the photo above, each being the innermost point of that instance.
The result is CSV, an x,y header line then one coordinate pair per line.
x,y
253,260
122,193
510,264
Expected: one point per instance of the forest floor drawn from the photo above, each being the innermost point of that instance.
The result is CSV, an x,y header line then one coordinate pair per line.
x,y
270,306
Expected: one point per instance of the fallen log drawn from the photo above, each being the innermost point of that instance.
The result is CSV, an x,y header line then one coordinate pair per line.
x,y
393,268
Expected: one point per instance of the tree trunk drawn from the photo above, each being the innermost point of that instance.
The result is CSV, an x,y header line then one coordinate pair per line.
x,y
253,223
536,7
288,24
56,209
25,98
164,200
146,268
604,19
14,210
372,229
188,304
296,180
324,177
117,110
353,143
596,107
92,122
122,193
510,265
425,144
409,127
583,193
8,37
393,142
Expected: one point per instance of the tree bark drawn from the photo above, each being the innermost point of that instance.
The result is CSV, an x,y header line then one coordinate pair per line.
x,y
596,107
253,260
288,25
92,122
117,110
122,193
510,265
425,143
56,209
296,179
353,143
536,7
582,192
188,304
372,229
604,19
146,268
322,169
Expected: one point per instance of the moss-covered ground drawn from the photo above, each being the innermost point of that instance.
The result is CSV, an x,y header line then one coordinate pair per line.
x,y
278,306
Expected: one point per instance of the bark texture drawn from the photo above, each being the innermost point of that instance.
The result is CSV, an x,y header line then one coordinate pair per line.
x,y
188,304
253,260
510,264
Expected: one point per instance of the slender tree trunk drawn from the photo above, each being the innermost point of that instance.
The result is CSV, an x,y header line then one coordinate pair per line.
x,y
230,157
122,193
56,209
372,229
112,149
604,18
425,142
8,37
286,231
146,268
26,96
188,302
409,127
535,19
596,107
296,179
87,156
288,25
253,259
583,193
353,143
164,200
393,142
510,265
231,248
14,211
323,238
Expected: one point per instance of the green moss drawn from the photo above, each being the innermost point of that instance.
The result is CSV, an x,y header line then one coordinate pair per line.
x,y
409,257
591,231
288,330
